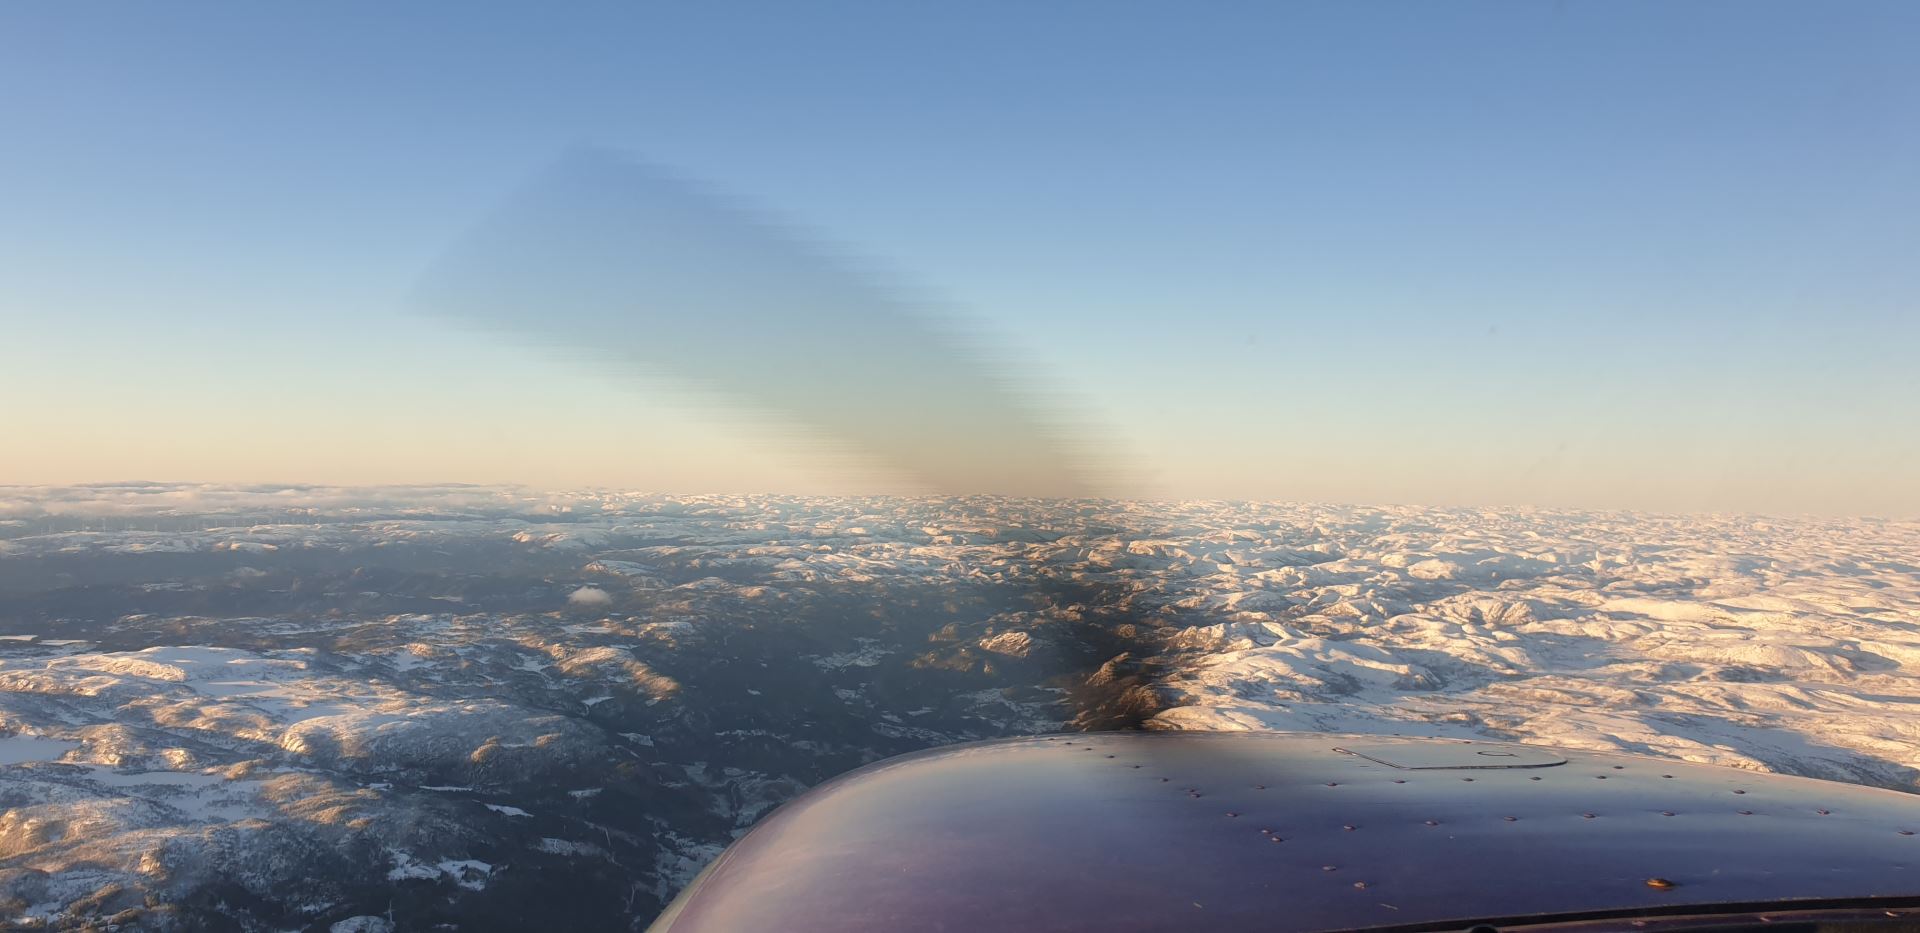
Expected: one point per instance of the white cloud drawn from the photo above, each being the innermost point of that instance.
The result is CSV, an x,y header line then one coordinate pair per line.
x,y
591,596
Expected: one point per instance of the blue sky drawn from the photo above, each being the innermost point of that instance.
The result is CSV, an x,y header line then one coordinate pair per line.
x,y
1595,254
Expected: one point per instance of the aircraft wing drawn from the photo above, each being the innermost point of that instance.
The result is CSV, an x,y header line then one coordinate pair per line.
x,y
1277,832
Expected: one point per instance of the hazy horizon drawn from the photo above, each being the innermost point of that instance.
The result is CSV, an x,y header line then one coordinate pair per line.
x,y
151,497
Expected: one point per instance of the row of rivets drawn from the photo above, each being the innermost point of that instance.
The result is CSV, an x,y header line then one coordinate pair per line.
x,y
1195,793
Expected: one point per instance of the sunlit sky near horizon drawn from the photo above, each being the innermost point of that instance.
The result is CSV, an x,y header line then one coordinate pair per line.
x,y
1618,255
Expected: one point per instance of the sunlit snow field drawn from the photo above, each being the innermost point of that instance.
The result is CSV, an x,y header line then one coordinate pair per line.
x,y
440,690
1776,645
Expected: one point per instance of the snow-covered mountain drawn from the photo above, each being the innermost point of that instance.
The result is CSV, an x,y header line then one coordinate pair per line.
x,y
271,708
